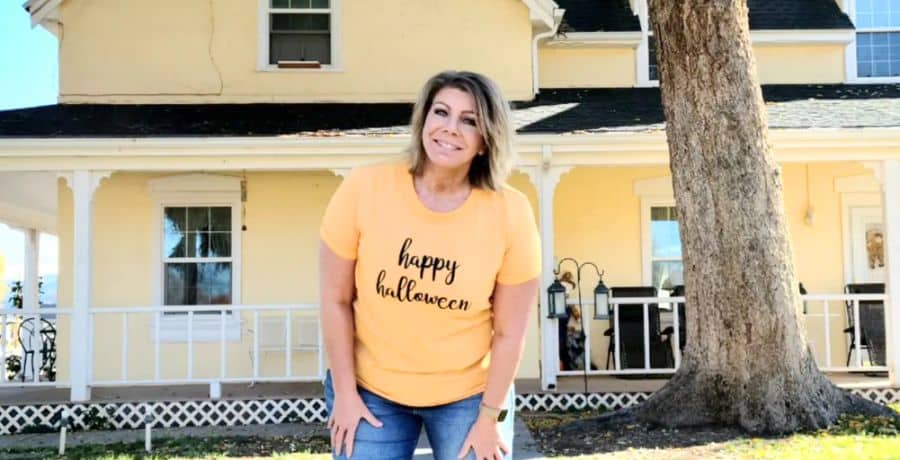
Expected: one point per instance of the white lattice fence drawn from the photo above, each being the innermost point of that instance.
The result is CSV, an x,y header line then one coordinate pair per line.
x,y
15,418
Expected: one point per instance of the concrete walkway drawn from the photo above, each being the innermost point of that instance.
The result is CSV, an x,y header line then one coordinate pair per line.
x,y
524,447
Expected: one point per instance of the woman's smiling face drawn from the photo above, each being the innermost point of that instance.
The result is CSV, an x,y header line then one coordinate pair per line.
x,y
451,134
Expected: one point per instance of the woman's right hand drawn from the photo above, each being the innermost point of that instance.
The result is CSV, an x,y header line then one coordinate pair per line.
x,y
348,410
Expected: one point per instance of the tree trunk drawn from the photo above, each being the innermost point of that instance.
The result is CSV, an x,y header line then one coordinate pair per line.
x,y
746,361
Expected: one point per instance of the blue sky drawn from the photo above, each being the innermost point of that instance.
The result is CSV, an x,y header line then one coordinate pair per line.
x,y
28,77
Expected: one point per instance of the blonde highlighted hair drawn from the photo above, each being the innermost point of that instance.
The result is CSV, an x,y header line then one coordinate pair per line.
x,y
489,170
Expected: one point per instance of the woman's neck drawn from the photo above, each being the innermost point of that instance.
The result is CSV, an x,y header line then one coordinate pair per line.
x,y
438,182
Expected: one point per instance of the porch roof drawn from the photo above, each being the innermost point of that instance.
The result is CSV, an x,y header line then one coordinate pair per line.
x,y
561,111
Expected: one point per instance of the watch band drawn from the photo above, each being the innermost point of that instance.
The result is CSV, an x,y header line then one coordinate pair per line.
x,y
493,413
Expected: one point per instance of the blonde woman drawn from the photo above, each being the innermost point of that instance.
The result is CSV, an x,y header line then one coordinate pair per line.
x,y
429,272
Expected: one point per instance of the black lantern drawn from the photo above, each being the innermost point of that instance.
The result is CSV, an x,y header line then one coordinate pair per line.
x,y
601,300
556,300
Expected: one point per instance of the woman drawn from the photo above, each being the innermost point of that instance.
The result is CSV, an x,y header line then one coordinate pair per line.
x,y
428,275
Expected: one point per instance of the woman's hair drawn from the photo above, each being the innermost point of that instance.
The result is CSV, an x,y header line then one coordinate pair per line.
x,y
489,170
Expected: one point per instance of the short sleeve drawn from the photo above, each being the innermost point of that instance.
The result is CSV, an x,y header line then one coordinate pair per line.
x,y
522,258
340,224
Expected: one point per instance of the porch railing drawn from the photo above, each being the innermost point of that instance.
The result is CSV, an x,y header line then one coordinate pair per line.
x,y
177,328
829,307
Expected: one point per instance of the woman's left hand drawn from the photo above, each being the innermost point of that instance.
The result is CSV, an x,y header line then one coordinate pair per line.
x,y
484,438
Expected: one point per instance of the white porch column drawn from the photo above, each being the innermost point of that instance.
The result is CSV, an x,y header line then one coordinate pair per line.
x,y
891,202
30,301
83,184
547,180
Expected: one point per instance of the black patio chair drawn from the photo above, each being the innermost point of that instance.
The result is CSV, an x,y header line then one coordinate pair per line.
x,y
46,347
678,291
630,334
871,324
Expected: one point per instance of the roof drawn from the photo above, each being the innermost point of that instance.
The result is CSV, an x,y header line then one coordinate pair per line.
x,y
616,15
552,112
598,15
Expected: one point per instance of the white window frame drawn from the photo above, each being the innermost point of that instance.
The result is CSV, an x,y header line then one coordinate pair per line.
x,y
643,49
647,235
850,50
186,191
262,63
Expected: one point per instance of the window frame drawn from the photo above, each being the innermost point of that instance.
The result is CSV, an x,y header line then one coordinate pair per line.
x,y
643,49
850,52
196,190
262,62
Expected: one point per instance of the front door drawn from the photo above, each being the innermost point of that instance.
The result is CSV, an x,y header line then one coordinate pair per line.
x,y
867,244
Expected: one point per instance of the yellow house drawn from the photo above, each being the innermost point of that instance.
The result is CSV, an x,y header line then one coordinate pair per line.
x,y
195,146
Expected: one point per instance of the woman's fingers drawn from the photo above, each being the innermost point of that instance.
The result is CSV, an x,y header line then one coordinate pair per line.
x,y
371,418
465,449
504,448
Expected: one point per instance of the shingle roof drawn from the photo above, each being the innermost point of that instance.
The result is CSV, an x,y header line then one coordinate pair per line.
x,y
598,15
616,15
553,112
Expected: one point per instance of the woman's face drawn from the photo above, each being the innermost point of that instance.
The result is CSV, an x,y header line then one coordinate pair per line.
x,y
451,134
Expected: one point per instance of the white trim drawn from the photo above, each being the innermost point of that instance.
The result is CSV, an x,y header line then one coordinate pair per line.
x,y
891,207
643,50
850,200
535,72
196,190
597,39
803,36
542,12
657,186
262,52
22,217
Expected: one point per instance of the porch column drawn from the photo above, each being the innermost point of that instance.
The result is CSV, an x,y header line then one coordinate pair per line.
x,y
547,180
891,202
30,301
83,184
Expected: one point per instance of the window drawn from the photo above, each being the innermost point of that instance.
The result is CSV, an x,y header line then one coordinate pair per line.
x,y
877,38
198,241
197,260
300,33
666,267
652,68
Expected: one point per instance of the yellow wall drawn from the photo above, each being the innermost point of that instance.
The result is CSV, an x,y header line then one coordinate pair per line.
x,y
586,67
177,51
800,64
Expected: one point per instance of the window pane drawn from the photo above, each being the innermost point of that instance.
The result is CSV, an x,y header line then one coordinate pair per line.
x,y
219,245
198,219
300,47
280,3
214,284
320,4
299,3
877,54
180,287
667,275
666,241
654,68
294,22
175,219
198,284
173,246
220,219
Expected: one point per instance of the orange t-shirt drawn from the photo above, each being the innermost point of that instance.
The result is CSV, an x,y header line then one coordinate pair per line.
x,y
424,280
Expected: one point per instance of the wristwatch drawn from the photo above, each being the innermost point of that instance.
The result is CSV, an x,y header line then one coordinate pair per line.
x,y
493,413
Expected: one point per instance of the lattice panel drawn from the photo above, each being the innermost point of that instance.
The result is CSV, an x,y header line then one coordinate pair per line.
x,y
13,418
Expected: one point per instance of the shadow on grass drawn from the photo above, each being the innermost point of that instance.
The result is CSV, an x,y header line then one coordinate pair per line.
x,y
183,447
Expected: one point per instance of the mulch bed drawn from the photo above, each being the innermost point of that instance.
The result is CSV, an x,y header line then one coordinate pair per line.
x,y
573,433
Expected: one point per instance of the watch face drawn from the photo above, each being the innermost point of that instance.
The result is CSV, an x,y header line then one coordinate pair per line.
x,y
502,415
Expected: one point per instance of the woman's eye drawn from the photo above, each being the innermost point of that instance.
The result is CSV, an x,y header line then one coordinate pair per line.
x,y
470,121
440,112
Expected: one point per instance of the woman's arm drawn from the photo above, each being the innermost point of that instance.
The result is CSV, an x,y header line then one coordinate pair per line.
x,y
336,284
513,307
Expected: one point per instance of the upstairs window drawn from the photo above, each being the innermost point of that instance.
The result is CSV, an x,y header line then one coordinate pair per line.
x,y
300,33
877,38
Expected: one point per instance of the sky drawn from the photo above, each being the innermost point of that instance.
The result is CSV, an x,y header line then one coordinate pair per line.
x,y
28,77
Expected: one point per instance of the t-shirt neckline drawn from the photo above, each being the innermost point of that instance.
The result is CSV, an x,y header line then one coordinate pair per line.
x,y
410,189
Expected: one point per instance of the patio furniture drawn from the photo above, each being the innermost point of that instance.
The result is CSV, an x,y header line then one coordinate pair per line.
x,y
630,333
46,347
678,291
871,324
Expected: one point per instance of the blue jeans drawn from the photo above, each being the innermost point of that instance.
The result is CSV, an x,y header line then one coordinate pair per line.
x,y
446,427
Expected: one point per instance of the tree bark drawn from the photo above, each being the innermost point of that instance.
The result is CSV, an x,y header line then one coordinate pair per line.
x,y
746,361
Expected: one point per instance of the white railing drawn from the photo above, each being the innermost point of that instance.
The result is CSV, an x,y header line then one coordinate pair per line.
x,y
830,307
179,329
31,337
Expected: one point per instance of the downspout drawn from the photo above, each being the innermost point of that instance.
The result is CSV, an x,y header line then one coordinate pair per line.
x,y
557,19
